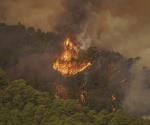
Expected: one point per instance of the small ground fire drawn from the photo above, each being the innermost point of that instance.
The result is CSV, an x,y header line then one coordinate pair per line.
x,y
67,63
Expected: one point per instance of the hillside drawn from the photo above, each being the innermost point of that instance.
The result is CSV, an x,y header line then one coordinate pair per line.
x,y
29,84
21,104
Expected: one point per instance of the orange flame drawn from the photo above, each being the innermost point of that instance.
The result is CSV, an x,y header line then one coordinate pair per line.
x,y
114,99
67,63
61,91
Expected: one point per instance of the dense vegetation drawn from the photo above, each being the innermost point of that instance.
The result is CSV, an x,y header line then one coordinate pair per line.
x,y
20,104
28,54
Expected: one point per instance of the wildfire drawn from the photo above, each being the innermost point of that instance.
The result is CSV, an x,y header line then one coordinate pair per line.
x,y
67,63
114,99
61,91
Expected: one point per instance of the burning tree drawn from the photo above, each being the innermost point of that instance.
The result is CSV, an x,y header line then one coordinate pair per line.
x,y
68,63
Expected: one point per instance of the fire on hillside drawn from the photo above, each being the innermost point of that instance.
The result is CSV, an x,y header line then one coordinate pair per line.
x,y
68,63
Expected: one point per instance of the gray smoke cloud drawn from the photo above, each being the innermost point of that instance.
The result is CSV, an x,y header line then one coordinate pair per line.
x,y
36,13
75,15
120,26
137,99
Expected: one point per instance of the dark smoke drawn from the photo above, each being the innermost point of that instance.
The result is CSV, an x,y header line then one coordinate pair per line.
x,y
75,15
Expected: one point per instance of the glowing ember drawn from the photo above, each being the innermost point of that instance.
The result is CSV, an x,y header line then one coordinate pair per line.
x,y
67,63
61,91
114,98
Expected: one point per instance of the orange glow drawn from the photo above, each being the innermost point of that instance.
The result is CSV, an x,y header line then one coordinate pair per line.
x,y
114,98
67,63
61,91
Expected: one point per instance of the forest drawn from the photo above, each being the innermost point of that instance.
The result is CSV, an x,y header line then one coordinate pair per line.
x,y
28,81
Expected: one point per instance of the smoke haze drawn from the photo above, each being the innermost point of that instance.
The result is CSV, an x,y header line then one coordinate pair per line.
x,y
35,13
137,99
121,25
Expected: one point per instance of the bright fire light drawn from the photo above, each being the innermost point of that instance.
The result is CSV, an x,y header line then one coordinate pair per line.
x,y
67,63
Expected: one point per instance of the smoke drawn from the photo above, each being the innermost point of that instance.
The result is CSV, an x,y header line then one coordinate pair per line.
x,y
116,33
117,25
137,99
36,13
73,17
125,30
76,14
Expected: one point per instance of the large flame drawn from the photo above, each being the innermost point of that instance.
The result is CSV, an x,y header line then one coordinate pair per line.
x,y
67,63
